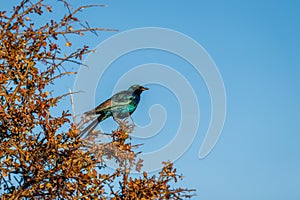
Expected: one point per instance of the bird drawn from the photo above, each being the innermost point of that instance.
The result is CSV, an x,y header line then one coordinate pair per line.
x,y
119,106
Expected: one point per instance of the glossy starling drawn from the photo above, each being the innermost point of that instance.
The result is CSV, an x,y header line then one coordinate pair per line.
x,y
119,106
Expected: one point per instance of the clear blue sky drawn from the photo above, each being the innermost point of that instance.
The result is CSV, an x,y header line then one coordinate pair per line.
x,y
256,46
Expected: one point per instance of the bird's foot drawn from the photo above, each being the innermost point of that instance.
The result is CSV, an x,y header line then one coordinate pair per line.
x,y
132,125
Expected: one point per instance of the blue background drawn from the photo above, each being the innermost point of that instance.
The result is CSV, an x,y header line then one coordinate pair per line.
x,y
256,47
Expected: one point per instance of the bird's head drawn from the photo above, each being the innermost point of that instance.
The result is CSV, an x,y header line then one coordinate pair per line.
x,y
137,89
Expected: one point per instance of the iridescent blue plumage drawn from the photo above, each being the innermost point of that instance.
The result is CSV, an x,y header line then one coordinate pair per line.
x,y
119,106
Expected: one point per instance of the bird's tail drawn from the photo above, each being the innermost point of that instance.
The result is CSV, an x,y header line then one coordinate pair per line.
x,y
92,125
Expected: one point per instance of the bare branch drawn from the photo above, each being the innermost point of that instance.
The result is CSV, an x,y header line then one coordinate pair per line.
x,y
73,106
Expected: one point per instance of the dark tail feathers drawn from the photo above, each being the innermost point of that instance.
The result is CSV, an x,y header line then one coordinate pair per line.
x,y
92,125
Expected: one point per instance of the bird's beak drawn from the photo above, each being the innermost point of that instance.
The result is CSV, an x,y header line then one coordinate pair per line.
x,y
144,88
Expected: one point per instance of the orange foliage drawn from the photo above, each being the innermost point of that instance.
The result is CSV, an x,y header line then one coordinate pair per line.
x,y
41,155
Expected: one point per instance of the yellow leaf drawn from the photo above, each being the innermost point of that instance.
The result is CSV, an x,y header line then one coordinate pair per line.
x,y
68,44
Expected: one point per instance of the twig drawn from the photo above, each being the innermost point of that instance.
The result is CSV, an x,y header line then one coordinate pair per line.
x,y
29,65
62,74
85,30
73,107
66,94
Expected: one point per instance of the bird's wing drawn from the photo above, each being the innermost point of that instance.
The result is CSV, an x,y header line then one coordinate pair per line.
x,y
119,99
122,98
102,107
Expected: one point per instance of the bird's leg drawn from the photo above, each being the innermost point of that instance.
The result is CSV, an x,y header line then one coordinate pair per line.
x,y
118,121
132,125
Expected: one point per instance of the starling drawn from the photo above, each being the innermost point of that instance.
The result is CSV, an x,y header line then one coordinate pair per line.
x,y
119,106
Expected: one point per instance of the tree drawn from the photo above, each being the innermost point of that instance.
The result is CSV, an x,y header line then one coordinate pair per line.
x,y
41,155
